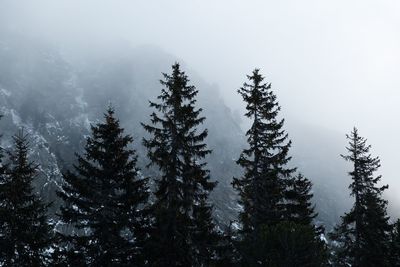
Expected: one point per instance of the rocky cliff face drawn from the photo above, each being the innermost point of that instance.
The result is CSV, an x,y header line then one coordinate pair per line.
x,y
54,96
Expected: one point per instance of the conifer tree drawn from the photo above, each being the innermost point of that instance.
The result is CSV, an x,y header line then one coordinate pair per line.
x,y
298,206
183,231
25,234
364,232
104,198
300,214
261,189
274,202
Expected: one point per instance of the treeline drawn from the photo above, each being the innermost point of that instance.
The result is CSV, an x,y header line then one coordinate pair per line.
x,y
110,217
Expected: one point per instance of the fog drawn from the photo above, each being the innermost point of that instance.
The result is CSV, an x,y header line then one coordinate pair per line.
x,y
333,64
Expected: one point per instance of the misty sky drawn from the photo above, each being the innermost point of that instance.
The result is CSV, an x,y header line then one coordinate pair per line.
x,y
334,64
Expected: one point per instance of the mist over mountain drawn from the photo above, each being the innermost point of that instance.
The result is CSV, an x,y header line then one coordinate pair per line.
x,y
54,94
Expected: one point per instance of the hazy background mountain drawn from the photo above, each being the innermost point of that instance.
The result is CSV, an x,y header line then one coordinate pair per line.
x,y
55,93
332,64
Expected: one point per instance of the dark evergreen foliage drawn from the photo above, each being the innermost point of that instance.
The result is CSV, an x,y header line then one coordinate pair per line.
x,y
298,196
272,199
227,250
183,233
395,245
261,189
363,235
104,198
285,244
108,220
25,234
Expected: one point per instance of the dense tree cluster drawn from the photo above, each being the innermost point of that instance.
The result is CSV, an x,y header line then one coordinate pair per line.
x,y
113,216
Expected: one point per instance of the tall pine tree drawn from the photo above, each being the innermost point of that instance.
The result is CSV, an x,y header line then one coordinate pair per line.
x,y
104,198
183,233
25,234
277,207
363,235
261,189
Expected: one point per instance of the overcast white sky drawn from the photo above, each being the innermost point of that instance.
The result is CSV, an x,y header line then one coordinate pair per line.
x,y
332,63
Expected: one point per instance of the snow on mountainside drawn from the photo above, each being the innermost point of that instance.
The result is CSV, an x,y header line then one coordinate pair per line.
x,y
54,97
54,101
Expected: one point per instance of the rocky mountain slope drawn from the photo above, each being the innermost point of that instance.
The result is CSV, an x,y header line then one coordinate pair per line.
x,y
54,95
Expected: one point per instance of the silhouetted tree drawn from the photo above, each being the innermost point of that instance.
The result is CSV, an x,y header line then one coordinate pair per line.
x,y
272,199
363,234
261,189
104,198
183,233
25,234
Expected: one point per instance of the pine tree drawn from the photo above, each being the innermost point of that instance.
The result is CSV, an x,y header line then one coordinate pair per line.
x,y
104,198
364,232
298,206
25,234
272,199
183,231
300,211
261,189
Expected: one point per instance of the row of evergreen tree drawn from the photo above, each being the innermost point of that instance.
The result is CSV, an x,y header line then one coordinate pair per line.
x,y
110,217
